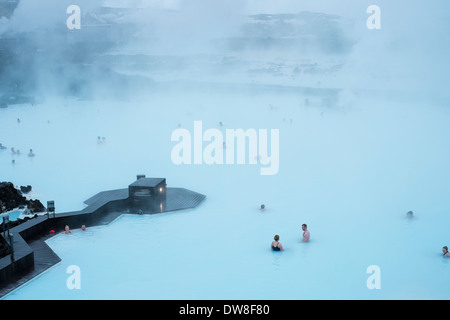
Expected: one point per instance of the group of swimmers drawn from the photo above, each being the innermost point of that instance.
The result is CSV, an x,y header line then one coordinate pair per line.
x,y
100,140
17,152
67,229
277,246
14,151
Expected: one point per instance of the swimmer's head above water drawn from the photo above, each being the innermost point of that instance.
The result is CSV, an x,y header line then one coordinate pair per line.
x,y
276,246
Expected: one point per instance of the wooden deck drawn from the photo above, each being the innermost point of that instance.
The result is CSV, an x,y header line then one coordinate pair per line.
x,y
44,258
102,198
180,199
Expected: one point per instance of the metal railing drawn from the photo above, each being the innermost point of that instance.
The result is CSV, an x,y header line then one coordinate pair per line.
x,y
9,237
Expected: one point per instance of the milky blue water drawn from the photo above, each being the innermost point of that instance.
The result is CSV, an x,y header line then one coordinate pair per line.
x,y
12,215
350,172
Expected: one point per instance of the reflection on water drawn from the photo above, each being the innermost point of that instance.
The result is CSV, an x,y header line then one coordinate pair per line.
x,y
276,259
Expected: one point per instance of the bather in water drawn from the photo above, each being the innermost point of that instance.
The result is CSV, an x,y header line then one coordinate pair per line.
x,y
275,245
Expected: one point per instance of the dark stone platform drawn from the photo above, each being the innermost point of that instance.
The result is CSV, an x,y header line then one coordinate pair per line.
x,y
32,255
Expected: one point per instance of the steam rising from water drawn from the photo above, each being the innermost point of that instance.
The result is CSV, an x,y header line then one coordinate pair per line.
x,y
362,137
131,44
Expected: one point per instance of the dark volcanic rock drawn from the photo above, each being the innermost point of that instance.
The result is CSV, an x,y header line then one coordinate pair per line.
x,y
25,189
11,198
36,206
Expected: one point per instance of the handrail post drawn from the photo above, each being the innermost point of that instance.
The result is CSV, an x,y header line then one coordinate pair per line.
x,y
11,246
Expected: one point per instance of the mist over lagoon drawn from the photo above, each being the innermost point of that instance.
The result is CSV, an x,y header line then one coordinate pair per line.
x,y
362,117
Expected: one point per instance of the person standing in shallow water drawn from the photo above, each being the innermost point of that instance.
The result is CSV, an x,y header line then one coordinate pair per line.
x,y
306,233
445,252
275,245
